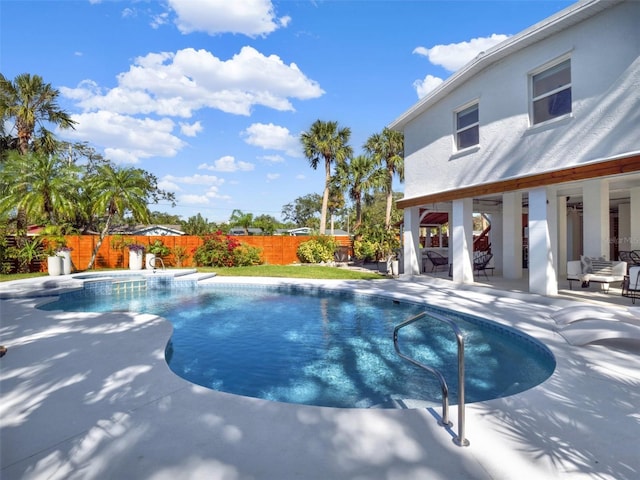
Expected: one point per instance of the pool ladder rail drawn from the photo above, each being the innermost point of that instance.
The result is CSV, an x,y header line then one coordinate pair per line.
x,y
459,440
153,261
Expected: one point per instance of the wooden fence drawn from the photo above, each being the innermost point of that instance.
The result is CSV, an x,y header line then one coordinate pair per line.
x,y
276,250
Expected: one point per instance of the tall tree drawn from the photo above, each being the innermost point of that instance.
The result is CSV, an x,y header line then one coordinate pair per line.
x,y
117,191
326,141
303,211
387,149
198,225
240,219
267,223
32,104
43,185
357,177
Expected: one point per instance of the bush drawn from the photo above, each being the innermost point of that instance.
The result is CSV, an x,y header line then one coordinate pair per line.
x,y
317,250
220,250
364,250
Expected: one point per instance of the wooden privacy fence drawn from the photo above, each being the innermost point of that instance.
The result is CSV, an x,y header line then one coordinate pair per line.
x,y
276,250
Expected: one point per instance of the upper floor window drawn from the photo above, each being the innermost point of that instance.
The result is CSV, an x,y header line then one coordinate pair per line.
x,y
551,91
467,127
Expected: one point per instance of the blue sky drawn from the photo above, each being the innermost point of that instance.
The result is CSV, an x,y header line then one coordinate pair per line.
x,y
211,95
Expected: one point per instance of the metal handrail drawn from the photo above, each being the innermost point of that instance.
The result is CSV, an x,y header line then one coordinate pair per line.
x,y
155,259
460,440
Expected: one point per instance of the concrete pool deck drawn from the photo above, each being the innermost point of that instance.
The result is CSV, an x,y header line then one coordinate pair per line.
x,y
90,396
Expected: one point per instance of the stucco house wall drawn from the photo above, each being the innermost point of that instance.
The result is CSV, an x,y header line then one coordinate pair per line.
x,y
573,180
604,68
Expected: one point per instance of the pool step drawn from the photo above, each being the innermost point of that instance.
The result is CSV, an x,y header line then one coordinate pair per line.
x,y
197,276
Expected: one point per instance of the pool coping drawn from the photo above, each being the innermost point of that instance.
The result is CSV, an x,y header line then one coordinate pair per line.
x,y
97,400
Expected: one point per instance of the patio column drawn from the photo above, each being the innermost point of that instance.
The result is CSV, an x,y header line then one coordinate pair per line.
x,y
497,237
512,235
561,266
542,272
411,241
634,227
462,240
595,231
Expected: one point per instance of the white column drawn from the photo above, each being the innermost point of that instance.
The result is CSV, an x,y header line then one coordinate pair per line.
x,y
624,227
542,274
634,227
512,235
496,235
561,267
411,240
462,240
595,199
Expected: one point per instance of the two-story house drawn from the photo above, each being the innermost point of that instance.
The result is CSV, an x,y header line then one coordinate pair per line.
x,y
541,135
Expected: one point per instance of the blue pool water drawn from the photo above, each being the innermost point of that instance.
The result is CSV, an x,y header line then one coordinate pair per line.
x,y
330,349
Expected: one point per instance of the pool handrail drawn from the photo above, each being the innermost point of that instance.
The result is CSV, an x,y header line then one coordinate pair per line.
x,y
460,440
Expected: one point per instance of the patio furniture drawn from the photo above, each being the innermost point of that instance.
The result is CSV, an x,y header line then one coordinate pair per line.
x,y
437,260
589,269
632,257
631,284
481,264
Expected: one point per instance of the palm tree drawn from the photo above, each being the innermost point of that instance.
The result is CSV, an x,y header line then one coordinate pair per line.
x,y
240,219
387,149
326,141
30,102
42,185
116,191
357,177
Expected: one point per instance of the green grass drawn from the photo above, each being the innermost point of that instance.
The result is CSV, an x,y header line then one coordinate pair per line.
x,y
20,276
281,271
294,271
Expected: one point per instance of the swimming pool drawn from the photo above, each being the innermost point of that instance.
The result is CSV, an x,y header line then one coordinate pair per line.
x,y
291,344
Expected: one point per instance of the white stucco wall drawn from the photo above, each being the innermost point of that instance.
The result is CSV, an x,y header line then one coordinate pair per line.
x,y
605,67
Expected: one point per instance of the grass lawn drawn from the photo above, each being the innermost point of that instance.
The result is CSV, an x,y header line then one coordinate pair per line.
x,y
282,271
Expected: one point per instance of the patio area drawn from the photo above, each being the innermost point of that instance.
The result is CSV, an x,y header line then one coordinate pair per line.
x,y
90,396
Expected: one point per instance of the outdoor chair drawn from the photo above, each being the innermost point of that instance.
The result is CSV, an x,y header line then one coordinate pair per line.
x,y
632,257
631,284
436,260
481,264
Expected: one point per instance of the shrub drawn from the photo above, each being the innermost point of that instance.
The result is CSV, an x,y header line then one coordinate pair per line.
x,y
317,250
364,250
220,250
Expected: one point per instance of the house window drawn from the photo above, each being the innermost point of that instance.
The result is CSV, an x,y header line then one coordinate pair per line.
x,y
467,127
551,92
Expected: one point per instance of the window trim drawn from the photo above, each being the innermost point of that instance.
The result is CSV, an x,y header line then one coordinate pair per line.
x,y
569,86
456,131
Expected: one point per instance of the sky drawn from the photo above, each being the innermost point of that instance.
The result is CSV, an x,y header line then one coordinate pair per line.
x,y
211,96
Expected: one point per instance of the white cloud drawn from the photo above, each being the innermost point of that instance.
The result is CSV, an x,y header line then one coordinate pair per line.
x,y
455,55
273,137
191,199
272,158
227,164
301,177
248,17
190,130
126,139
272,176
177,84
195,180
426,85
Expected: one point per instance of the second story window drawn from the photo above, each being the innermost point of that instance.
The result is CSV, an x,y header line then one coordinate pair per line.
x,y
467,127
551,91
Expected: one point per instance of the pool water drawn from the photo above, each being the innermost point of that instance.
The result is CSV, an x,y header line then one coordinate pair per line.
x,y
329,349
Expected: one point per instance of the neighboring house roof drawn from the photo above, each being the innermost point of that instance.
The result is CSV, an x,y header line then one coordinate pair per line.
x,y
147,230
240,231
564,19
172,230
